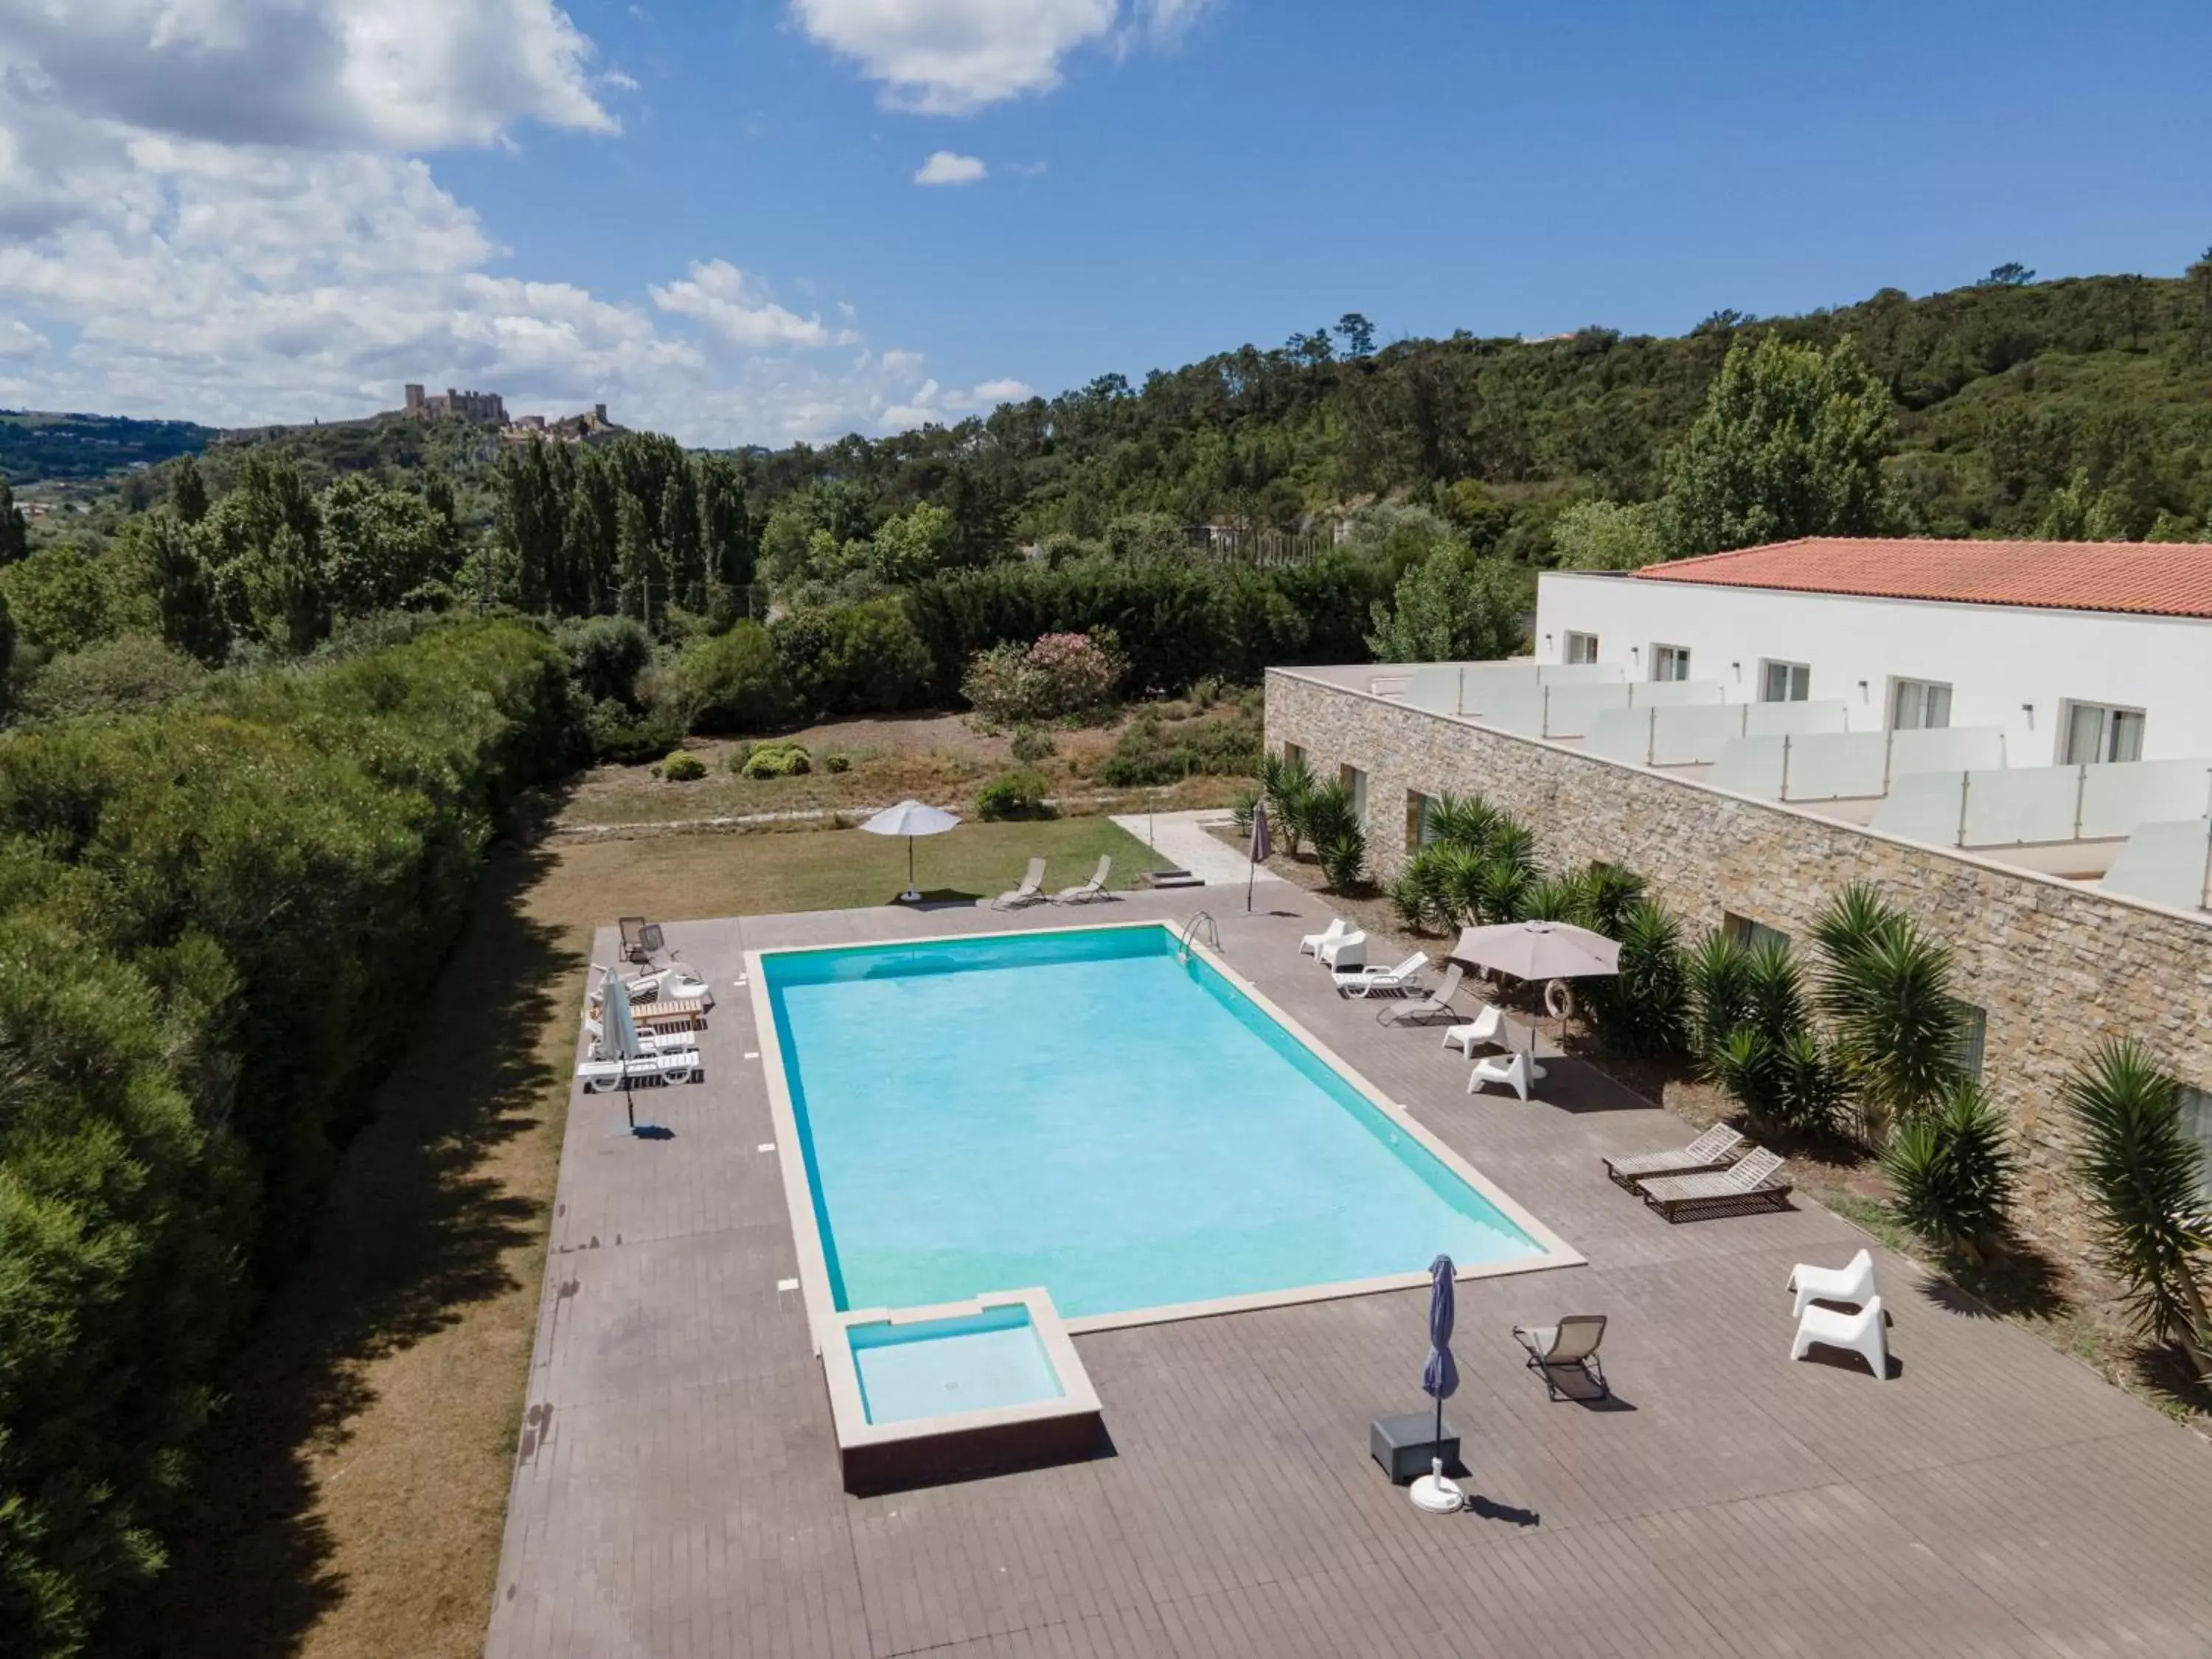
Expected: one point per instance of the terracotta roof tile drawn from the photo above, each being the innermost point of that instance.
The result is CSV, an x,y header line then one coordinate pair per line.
x,y
2167,578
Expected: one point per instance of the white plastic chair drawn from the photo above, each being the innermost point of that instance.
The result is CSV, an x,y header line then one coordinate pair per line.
x,y
1485,1031
1346,949
1860,1334
1507,1071
1853,1282
1311,945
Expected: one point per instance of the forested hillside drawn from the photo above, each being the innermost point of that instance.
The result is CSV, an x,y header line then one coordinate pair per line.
x,y
34,446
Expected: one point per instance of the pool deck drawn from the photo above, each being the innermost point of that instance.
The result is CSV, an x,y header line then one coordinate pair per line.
x,y
676,1489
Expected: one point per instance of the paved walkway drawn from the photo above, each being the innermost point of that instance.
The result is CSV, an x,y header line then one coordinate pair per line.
x,y
1183,837
677,1489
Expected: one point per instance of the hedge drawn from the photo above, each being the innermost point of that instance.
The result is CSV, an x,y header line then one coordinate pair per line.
x,y
217,920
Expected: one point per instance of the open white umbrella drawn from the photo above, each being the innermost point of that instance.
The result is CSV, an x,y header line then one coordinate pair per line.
x,y
911,818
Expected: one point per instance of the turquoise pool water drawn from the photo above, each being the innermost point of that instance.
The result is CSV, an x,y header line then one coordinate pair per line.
x,y
974,1363
1083,1111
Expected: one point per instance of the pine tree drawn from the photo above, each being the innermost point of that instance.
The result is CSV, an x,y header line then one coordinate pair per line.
x,y
14,533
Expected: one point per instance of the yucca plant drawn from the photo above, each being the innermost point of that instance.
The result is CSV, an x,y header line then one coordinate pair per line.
x,y
1241,809
1501,884
2141,1171
1421,894
1609,894
1719,978
1843,934
1409,900
1744,1066
1774,992
1902,1032
1344,859
1812,1087
1953,1172
1550,898
1644,1007
1288,785
1466,820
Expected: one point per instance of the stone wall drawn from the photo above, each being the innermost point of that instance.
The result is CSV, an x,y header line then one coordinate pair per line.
x,y
2057,968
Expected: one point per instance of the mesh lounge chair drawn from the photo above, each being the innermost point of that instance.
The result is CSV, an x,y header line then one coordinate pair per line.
x,y
1091,890
1032,891
641,940
1752,1183
1437,1001
1570,1347
1716,1149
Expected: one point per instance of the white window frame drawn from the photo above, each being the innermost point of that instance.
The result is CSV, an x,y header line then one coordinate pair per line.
x,y
1901,685
1578,647
1797,680
2109,727
1669,654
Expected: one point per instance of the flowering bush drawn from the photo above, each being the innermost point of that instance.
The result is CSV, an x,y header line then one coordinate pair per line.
x,y
1060,675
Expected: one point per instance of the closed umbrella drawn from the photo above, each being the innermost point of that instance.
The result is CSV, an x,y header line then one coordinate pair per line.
x,y
621,1038
911,818
1261,849
1439,1380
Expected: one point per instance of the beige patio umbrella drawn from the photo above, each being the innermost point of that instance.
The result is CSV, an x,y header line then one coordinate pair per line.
x,y
1554,951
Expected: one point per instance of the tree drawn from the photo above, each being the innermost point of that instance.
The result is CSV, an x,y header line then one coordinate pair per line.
x,y
1887,987
637,557
2011,274
529,523
2141,1173
379,545
14,533
1452,607
1357,333
2080,514
188,496
2200,276
1606,536
1791,444
58,598
184,591
286,592
726,531
911,546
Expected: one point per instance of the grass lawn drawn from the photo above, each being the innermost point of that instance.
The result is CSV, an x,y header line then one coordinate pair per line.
x,y
670,877
356,1490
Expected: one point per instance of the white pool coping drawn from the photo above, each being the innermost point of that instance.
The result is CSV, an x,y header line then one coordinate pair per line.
x,y
826,1322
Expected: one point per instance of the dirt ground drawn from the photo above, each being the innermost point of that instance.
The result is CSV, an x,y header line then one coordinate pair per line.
x,y
2074,1310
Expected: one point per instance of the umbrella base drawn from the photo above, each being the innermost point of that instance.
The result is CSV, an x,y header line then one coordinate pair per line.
x,y
1435,1495
909,897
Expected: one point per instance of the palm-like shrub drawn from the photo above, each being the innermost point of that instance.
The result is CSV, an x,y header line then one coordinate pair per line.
x,y
1812,1089
1550,898
1645,1008
1287,785
1465,821
1609,896
1421,894
1954,1171
1774,992
1887,987
2141,1171
1719,975
1331,822
1744,1066
1344,860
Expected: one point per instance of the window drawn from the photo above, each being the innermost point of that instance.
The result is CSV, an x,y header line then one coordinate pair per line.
x,y
1751,934
1293,755
1355,783
1973,1037
1420,820
1670,662
1581,647
2096,734
1785,682
2197,1125
1919,705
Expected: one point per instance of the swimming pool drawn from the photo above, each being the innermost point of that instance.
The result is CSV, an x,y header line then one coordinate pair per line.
x,y
1089,1111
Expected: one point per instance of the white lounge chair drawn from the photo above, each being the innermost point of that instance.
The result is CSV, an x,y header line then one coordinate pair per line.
x,y
1853,1282
1485,1031
1092,889
1032,891
654,1043
1859,1333
670,1066
1716,1149
1437,1001
1311,945
1365,982
1514,1072
1346,949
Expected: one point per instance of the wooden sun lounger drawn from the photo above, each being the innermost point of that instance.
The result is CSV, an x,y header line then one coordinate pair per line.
x,y
1748,1186
1717,1149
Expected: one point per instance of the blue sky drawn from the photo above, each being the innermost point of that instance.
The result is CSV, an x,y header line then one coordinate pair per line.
x,y
708,214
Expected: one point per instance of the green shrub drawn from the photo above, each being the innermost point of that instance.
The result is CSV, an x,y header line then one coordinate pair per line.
x,y
607,654
1013,795
1645,1008
1032,745
621,736
1223,741
778,760
127,673
1243,809
1886,989
681,766
1057,677
731,682
1344,860
852,659
1953,1172
1719,974
217,920
836,764
738,755
1288,787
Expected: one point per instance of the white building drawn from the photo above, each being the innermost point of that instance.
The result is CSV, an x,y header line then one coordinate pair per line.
x,y
2075,652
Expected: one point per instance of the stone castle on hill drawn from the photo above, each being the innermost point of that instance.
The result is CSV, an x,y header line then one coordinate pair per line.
x,y
487,409
486,406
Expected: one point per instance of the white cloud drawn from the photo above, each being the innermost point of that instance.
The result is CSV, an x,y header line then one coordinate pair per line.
x,y
216,210
945,167
995,392
954,57
721,297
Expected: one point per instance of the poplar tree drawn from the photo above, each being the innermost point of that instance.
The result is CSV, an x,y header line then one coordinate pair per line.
x,y
14,533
